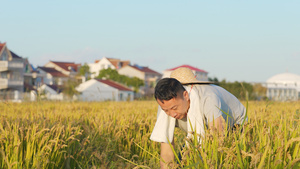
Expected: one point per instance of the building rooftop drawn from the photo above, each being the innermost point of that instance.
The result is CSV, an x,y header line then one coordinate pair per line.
x,y
15,55
67,65
52,71
284,78
144,69
114,84
2,46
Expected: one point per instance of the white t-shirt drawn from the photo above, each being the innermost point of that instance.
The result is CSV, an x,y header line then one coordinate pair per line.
x,y
207,102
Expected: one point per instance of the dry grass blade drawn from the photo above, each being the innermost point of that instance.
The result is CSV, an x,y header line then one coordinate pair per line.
x,y
141,166
291,141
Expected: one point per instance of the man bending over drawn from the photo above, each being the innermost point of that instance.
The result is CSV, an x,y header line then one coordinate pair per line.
x,y
182,98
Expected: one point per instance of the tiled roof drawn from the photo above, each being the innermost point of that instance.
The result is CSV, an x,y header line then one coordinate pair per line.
x,y
116,62
114,84
145,69
52,71
56,88
66,65
190,67
33,68
15,55
2,46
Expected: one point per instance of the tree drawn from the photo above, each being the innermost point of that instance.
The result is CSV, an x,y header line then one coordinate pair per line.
x,y
109,74
69,88
215,80
238,89
85,71
113,74
136,83
259,91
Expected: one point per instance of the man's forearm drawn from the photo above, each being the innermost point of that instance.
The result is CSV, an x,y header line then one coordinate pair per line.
x,y
166,154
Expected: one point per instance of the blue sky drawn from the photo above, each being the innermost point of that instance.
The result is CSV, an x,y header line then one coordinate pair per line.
x,y
233,40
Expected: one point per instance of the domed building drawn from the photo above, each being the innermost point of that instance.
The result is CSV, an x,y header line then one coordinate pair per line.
x,y
284,87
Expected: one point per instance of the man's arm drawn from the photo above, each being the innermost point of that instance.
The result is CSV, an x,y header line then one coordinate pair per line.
x,y
166,154
218,123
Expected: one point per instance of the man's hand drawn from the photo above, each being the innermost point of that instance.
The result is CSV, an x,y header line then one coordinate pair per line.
x,y
166,154
218,124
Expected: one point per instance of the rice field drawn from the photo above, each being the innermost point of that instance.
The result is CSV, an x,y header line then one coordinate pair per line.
x,y
116,135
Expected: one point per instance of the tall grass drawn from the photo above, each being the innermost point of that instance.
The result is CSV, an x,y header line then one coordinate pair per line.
x,y
116,135
270,139
76,135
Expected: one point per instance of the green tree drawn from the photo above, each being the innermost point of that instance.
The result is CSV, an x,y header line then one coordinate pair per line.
x,y
259,91
68,88
215,80
113,74
109,74
85,71
238,89
136,83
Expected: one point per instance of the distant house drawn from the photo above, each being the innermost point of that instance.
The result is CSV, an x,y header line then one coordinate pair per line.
x,y
50,92
102,90
52,76
106,63
70,69
32,78
200,74
11,74
149,76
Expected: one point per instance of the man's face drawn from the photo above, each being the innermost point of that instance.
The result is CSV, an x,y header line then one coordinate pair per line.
x,y
176,107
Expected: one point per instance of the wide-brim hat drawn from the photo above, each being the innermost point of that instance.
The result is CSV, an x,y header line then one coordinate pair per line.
x,y
186,76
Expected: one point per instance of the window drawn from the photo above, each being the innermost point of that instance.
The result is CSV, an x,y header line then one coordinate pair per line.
x,y
16,76
121,96
4,75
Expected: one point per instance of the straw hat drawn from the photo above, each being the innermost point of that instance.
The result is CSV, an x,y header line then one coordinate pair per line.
x,y
186,76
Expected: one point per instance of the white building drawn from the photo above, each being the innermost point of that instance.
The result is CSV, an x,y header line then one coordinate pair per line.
x,y
106,63
50,92
102,90
11,74
283,87
52,76
67,68
149,76
200,74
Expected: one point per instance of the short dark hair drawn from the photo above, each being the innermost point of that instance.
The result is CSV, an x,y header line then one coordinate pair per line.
x,y
168,88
